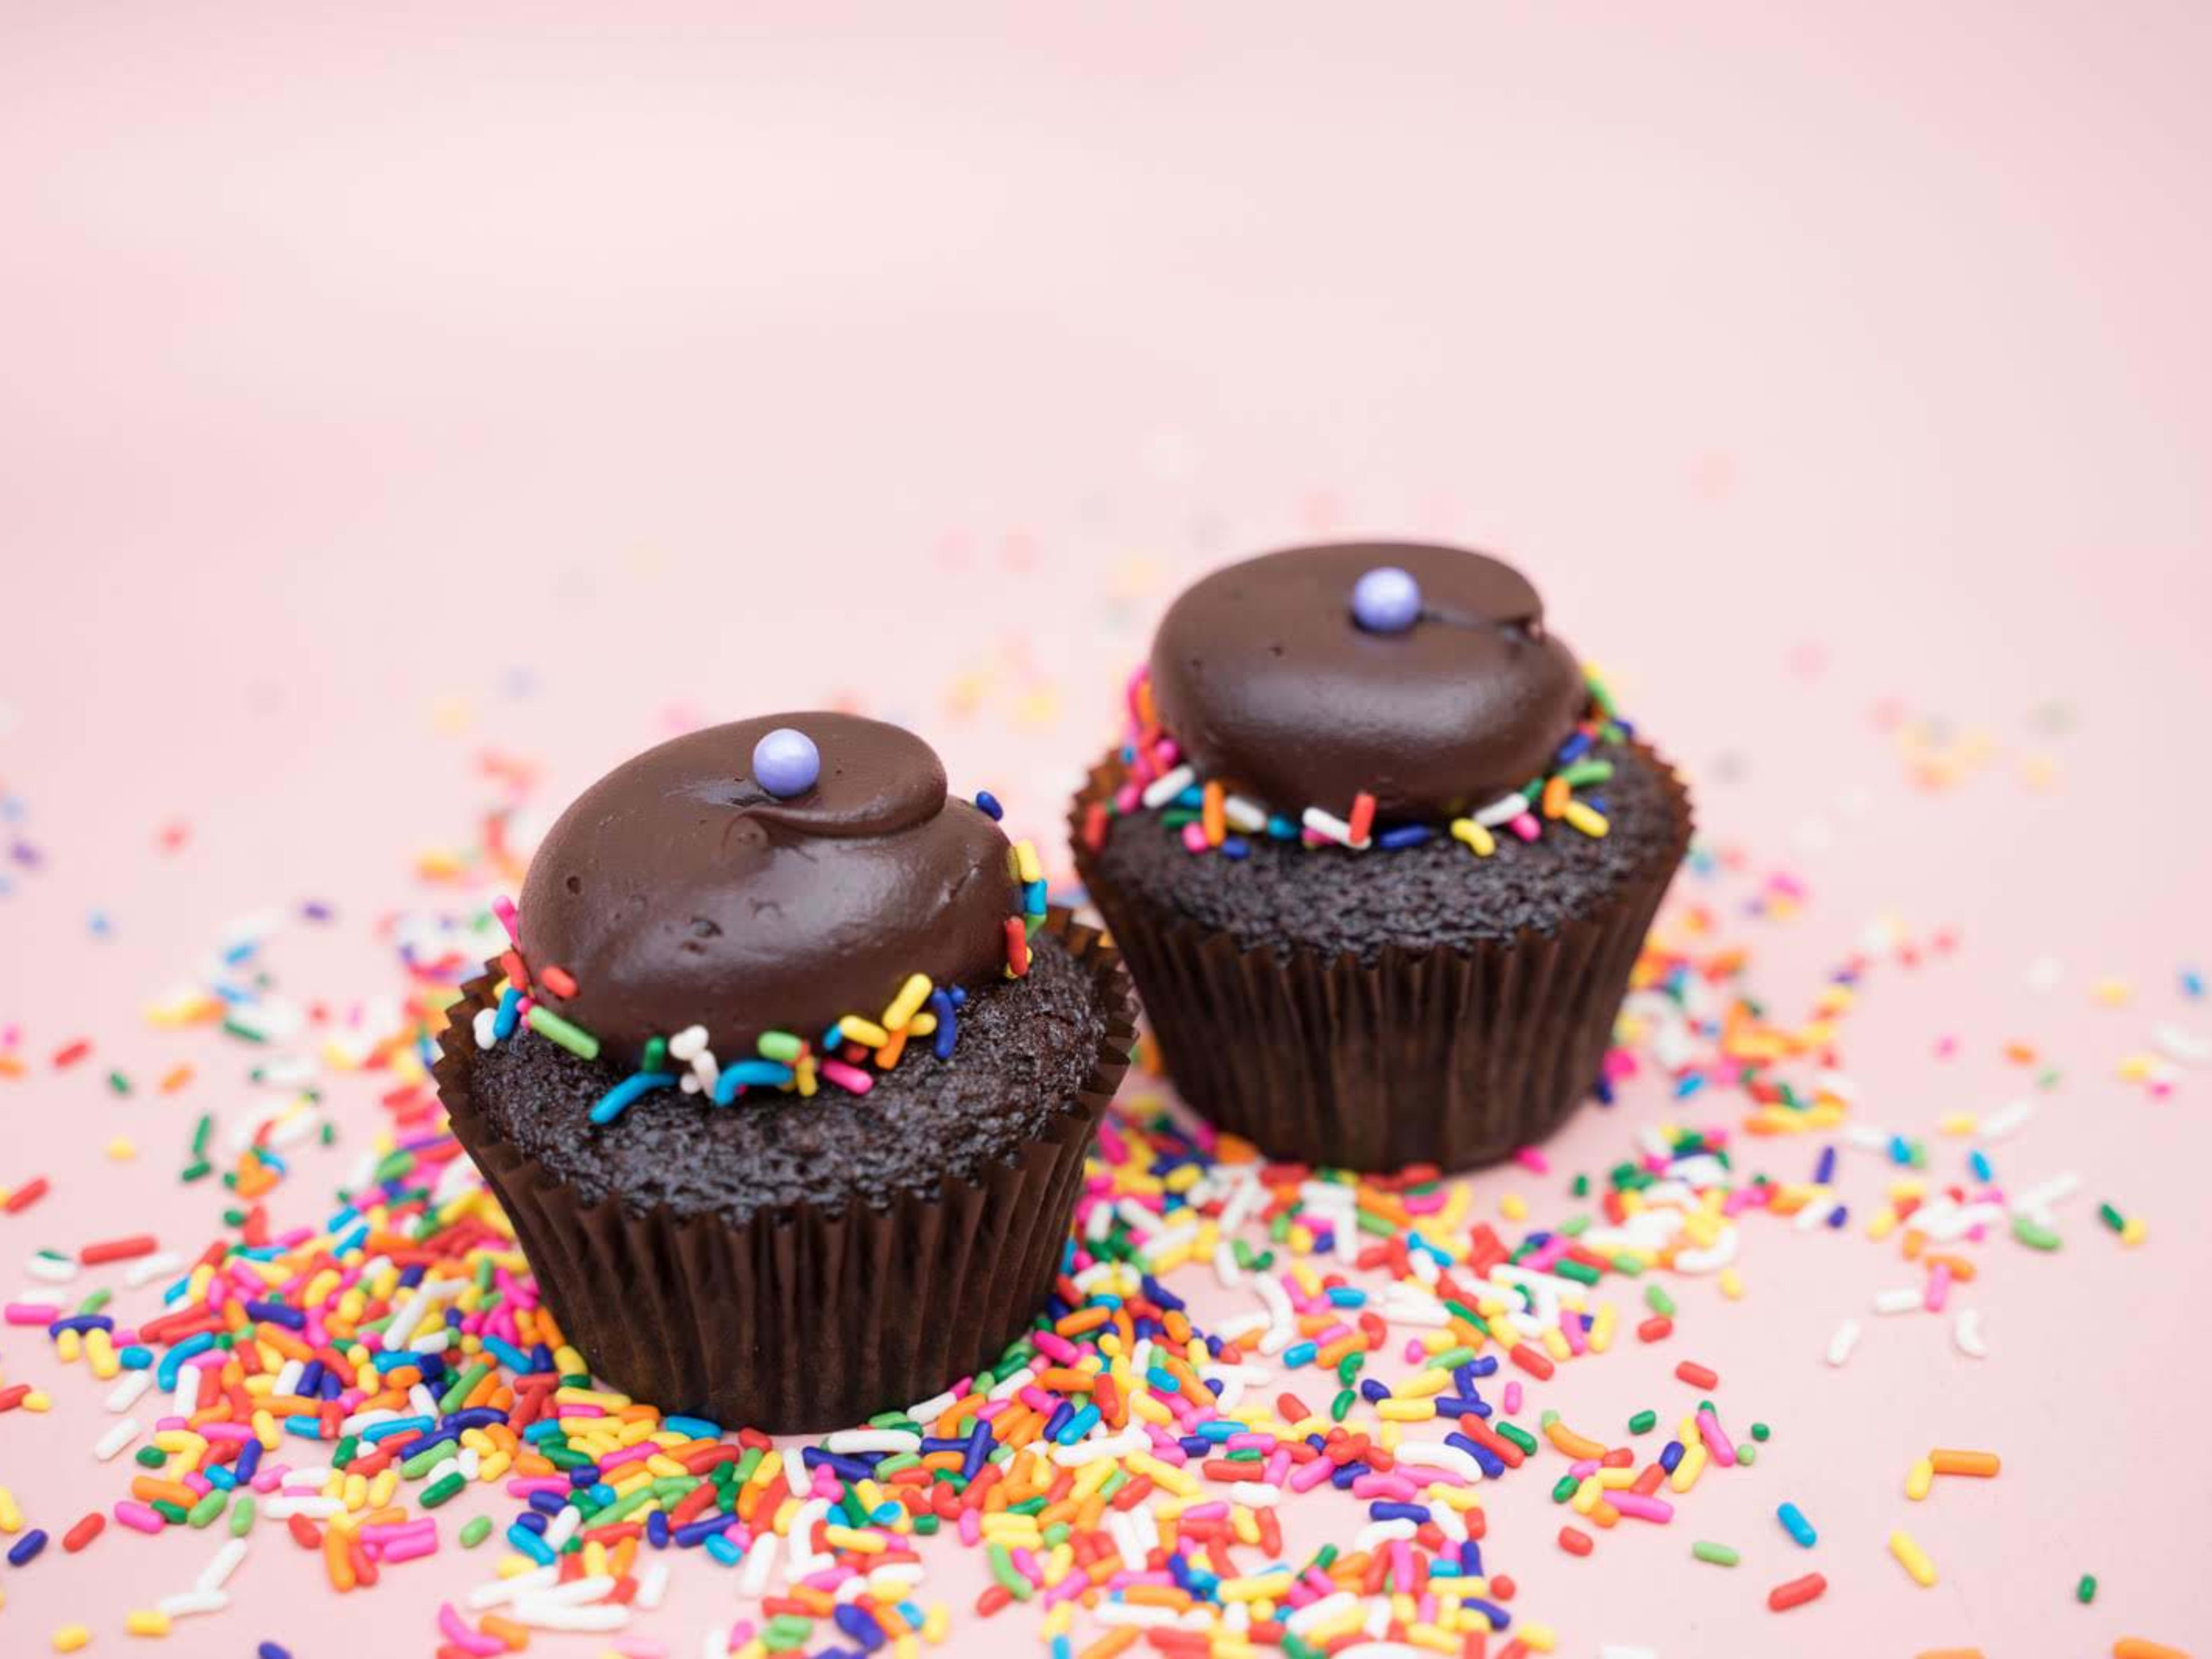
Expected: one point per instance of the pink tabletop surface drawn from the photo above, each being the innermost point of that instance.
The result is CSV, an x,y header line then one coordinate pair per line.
x,y
388,386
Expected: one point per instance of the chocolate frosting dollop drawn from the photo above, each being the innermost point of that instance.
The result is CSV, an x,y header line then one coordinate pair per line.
x,y
1263,676
678,891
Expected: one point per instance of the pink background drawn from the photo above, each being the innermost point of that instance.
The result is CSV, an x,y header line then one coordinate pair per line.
x,y
378,390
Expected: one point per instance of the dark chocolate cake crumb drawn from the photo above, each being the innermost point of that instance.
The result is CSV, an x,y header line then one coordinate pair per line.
x,y
1334,903
1026,1047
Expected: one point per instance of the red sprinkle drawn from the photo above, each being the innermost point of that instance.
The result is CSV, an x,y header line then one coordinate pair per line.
x,y
26,1195
557,981
1797,1593
13,1397
1575,1541
69,1057
1696,1375
1656,1328
118,1249
1017,955
1530,1360
83,1533
1362,820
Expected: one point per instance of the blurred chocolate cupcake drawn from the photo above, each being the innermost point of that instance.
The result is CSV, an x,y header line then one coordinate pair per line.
x,y
1379,854
788,1079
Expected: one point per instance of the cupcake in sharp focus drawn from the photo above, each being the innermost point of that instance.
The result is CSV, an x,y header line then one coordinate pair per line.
x,y
787,1082
1379,854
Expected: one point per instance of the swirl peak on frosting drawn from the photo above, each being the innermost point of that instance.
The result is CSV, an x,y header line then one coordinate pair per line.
x,y
678,891
1266,678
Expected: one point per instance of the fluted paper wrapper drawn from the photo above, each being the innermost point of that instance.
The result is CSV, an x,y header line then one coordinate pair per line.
x,y
1451,1056
799,1320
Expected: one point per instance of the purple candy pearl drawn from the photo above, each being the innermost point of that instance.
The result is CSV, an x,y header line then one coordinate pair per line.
x,y
1386,600
786,762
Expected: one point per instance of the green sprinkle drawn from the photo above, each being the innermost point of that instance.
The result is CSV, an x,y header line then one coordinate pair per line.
x,y
1519,1436
784,1049
151,1457
476,1531
1581,1271
203,1514
655,1057
198,1170
243,1032
119,1083
95,1302
463,1384
2033,1234
1746,1456
1340,1404
2113,1217
1719,1554
576,1040
1644,1422
2086,1591
1760,1431
1009,1580
1656,1300
241,1515
1580,1188
175,1514
1564,1488
444,1489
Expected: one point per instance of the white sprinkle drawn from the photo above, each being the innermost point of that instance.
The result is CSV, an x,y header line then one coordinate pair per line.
x,y
2184,1046
500,1593
1841,1344
191,1601
1503,810
688,1043
540,1611
1164,788
482,1025
1245,817
2040,1197
1811,1216
147,1269
1967,1332
851,1441
53,1269
1898,1302
112,1442
1329,827
218,1572
652,1586
125,1394
2006,1119
752,1576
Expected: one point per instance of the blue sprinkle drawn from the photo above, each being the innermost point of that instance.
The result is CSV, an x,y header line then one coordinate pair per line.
x,y
1795,1524
530,1544
1235,847
1824,1173
948,1025
722,1547
27,1546
617,1100
743,1073
988,804
508,1016
272,1651
1406,834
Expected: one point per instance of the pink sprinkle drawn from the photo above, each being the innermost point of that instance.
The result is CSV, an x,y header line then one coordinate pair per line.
x,y
134,1515
503,907
1526,827
851,1078
1642,1508
1939,1287
1511,1401
456,1631
1532,1157
33,1313
1716,1439
1193,838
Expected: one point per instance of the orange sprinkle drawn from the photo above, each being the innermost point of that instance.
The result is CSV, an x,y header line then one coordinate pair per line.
x,y
1963,1463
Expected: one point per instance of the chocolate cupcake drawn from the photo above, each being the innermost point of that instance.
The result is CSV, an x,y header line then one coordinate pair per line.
x,y
1379,854
788,1079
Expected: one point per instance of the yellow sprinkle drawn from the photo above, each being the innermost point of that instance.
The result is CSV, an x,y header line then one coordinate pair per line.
x,y
1478,840
1585,818
1026,867
2131,1233
69,1638
122,1149
1912,1558
1513,1208
147,1621
1919,1478
911,996
2112,993
1731,1283
864,1031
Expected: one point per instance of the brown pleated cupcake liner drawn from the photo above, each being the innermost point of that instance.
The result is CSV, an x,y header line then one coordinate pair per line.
x,y
799,1320
1451,1056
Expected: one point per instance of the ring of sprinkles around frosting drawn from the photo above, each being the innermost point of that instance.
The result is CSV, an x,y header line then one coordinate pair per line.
x,y
1360,695
775,903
